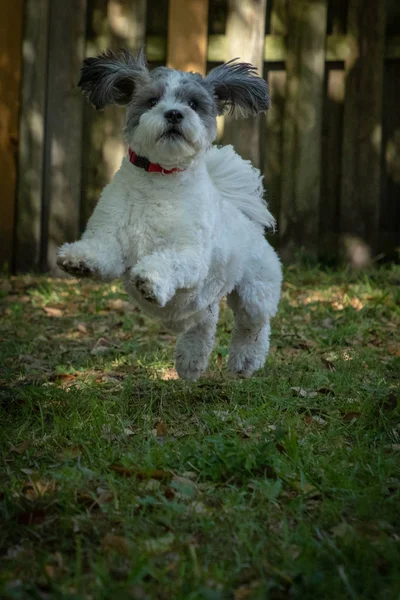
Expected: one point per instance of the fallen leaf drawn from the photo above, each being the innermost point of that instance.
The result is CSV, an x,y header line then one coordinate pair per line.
x,y
219,360
161,429
115,542
37,488
351,416
169,375
246,591
120,306
50,571
81,327
53,312
22,447
304,393
157,474
102,345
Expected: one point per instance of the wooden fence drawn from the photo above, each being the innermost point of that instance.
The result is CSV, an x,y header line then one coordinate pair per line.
x,y
329,146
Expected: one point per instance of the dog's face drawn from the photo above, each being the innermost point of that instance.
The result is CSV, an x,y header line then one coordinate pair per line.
x,y
171,115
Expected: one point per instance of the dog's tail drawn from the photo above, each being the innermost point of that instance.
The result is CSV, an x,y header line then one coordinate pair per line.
x,y
239,183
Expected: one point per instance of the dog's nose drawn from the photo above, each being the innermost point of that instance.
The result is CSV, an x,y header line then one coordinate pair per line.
x,y
173,116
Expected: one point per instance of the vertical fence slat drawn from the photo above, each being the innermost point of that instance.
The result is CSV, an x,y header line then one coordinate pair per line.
x,y
11,22
245,32
299,216
32,126
331,164
361,167
111,24
63,141
272,123
187,35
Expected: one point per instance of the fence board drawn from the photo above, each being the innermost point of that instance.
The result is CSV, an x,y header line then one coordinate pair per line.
x,y
111,24
361,167
10,63
32,126
245,33
299,216
63,141
331,164
187,35
390,197
272,123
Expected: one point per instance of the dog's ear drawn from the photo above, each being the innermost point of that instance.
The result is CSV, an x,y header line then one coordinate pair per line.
x,y
111,78
238,89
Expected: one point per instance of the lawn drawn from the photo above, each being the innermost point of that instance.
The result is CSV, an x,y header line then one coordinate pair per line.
x,y
118,480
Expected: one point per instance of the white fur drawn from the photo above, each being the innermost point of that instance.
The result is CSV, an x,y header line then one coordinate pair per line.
x,y
180,243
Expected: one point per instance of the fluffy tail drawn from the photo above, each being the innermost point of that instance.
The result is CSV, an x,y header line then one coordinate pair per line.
x,y
239,183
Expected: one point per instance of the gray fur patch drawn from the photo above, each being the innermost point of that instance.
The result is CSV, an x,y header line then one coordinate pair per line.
x,y
112,78
238,88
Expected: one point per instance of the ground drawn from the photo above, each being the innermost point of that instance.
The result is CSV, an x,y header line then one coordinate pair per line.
x,y
119,481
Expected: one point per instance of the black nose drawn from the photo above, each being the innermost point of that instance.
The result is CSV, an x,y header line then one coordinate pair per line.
x,y
173,116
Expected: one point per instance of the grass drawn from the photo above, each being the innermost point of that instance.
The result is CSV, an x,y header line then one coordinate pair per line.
x,y
119,481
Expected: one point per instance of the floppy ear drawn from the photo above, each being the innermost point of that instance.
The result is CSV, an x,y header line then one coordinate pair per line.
x,y
111,78
238,89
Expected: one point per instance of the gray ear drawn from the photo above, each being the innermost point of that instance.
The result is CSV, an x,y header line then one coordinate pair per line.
x,y
111,78
238,89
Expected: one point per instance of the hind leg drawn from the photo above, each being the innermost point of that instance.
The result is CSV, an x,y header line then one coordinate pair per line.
x,y
194,347
254,301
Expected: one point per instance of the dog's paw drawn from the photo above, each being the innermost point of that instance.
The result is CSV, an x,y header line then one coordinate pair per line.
x,y
152,288
146,290
75,265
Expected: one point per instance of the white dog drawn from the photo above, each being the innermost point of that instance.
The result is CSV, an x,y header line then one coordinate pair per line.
x,y
182,222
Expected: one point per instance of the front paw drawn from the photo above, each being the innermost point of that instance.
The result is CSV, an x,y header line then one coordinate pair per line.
x,y
145,289
75,265
152,288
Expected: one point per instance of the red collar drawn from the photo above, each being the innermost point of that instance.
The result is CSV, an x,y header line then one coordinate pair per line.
x,y
144,163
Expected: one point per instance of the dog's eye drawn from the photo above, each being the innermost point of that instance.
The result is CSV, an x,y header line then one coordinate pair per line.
x,y
153,102
193,104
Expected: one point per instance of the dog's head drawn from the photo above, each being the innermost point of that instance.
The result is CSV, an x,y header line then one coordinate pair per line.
x,y
171,115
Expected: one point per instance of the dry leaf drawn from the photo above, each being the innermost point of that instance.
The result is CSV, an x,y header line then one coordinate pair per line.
x,y
157,474
116,543
81,327
161,429
52,311
351,416
102,345
22,447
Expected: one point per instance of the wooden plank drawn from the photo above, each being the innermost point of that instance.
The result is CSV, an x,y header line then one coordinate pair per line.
x,y
299,216
272,123
275,48
187,35
362,145
11,23
63,142
32,126
390,193
331,163
245,32
112,24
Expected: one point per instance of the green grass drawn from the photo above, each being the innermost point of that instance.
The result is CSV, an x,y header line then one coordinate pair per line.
x,y
119,481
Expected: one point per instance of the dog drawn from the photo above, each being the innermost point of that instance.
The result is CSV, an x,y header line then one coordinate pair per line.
x,y
182,222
